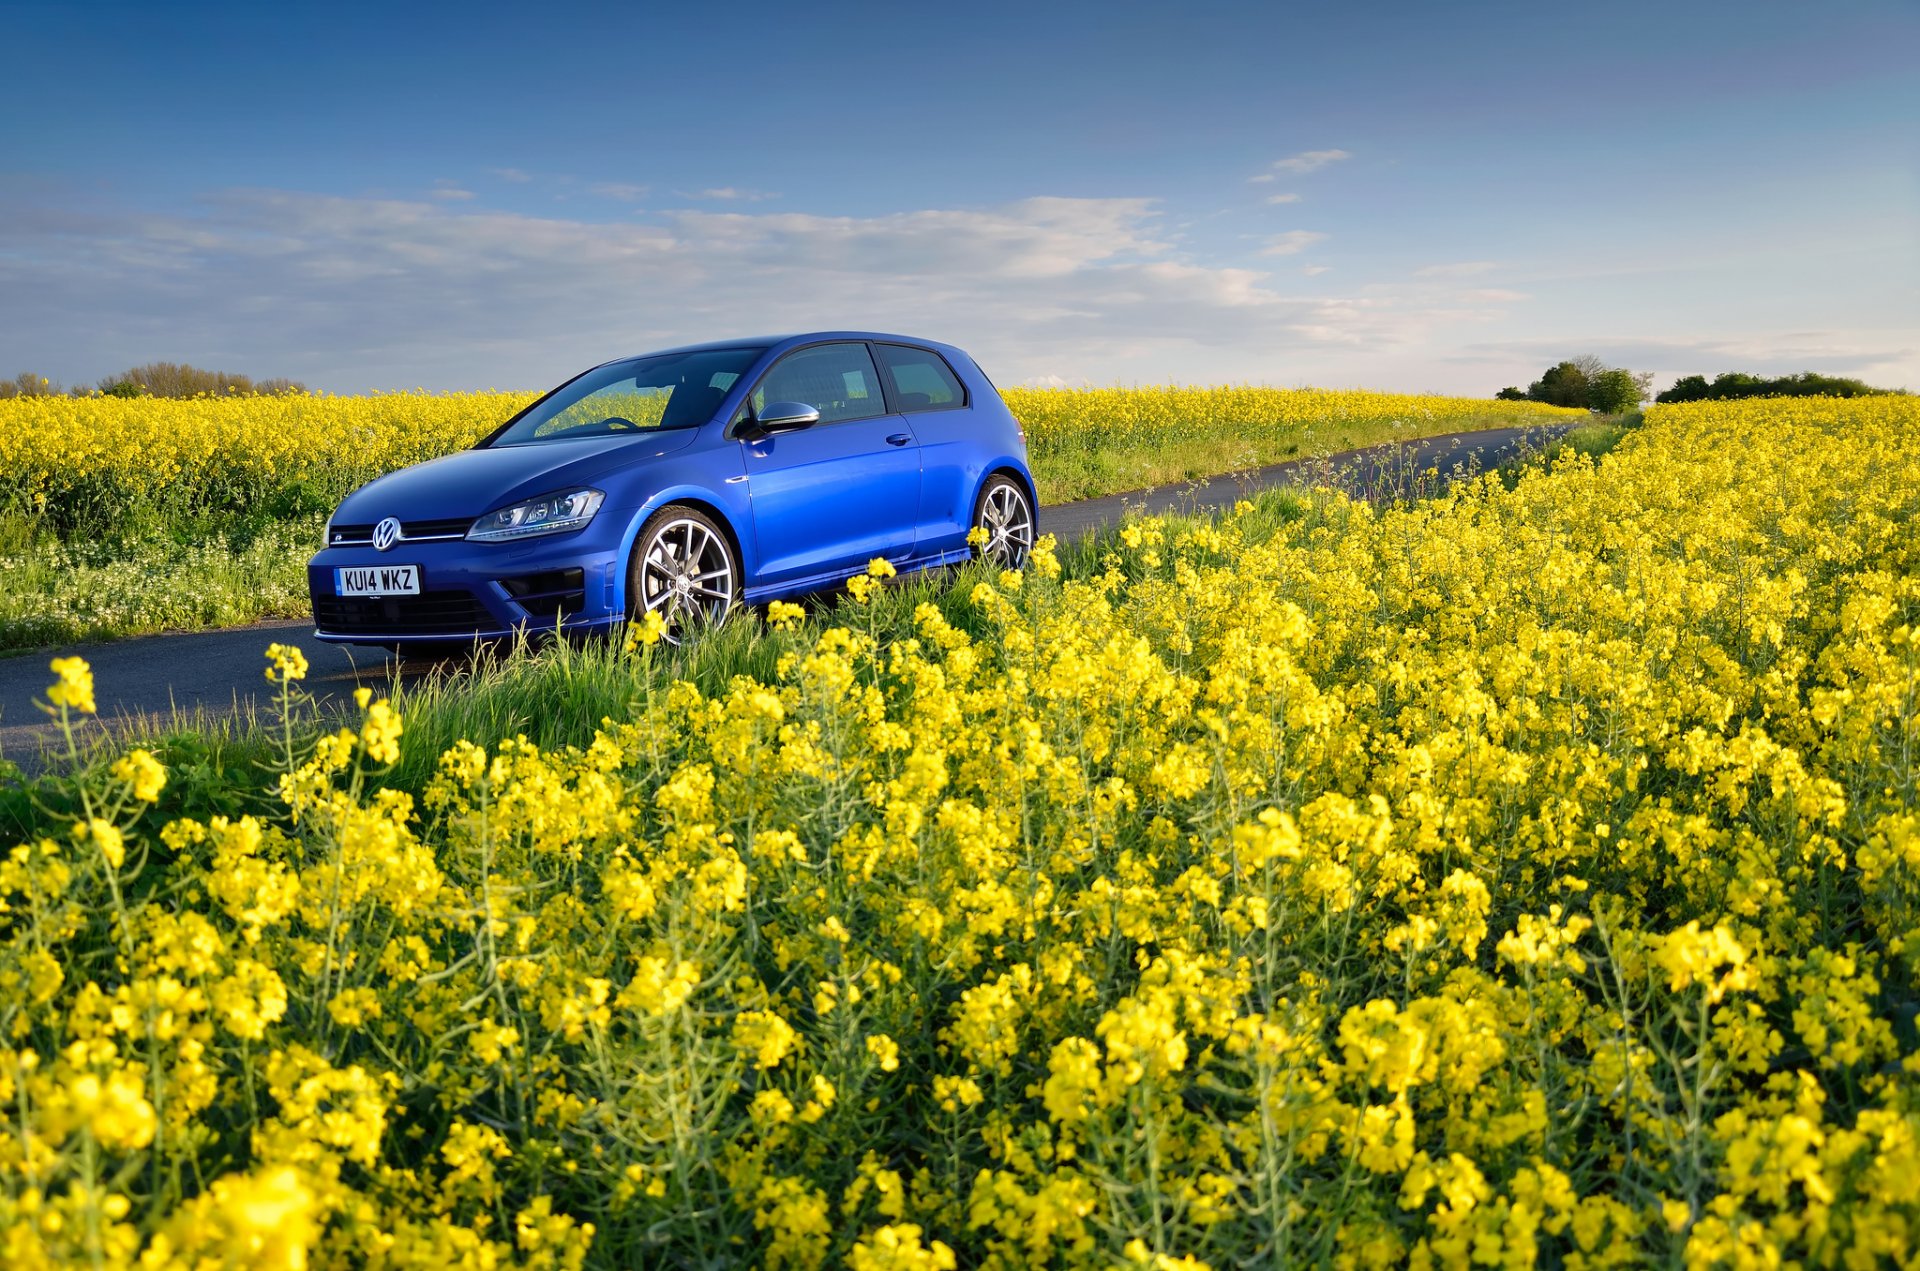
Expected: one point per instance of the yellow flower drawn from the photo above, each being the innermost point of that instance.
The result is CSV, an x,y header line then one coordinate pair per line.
x,y
885,1050
1692,956
491,1042
1138,1255
267,1219
105,836
115,1111
380,733
142,773
784,616
251,998
352,1007
899,1248
659,986
646,631
765,1037
74,689
288,664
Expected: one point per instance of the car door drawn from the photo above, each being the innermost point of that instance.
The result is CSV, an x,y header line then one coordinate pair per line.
x,y
830,497
935,404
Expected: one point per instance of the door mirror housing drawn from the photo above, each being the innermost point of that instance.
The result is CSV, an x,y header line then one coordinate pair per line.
x,y
787,417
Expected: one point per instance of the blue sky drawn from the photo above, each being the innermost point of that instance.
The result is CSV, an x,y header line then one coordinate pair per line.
x,y
1406,196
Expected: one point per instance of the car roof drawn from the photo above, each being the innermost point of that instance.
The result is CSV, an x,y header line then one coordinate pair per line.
x,y
775,343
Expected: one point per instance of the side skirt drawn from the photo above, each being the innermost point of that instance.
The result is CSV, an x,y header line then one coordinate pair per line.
x,y
824,582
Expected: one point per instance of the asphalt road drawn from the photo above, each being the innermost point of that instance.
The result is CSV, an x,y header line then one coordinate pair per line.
x,y
221,673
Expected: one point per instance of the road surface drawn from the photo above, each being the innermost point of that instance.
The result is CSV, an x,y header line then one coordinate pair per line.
x,y
220,673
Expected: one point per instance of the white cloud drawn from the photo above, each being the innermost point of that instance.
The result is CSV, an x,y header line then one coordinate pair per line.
x,y
1313,271
1496,294
449,191
1283,198
514,175
349,294
1458,269
727,194
1304,162
1292,242
617,190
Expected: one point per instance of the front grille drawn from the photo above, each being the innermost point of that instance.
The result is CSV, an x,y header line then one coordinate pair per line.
x,y
430,613
415,531
554,593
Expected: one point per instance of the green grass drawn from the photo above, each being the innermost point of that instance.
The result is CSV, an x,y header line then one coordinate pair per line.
x,y
1596,438
156,578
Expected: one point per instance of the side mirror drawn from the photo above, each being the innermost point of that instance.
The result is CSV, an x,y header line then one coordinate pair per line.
x,y
787,417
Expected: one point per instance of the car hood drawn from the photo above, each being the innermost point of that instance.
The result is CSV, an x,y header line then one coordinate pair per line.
x,y
471,483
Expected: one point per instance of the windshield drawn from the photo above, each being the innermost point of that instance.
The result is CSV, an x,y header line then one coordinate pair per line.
x,y
646,394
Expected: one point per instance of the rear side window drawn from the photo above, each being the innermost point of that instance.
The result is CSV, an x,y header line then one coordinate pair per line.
x,y
922,380
838,380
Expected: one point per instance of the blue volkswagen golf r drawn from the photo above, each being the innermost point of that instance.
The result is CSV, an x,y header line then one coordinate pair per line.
x,y
685,482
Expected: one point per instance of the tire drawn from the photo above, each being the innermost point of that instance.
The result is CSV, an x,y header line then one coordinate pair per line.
x,y
1005,512
685,569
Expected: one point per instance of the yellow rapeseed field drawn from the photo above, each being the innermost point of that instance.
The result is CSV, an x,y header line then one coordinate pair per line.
x,y
80,460
1529,876
85,460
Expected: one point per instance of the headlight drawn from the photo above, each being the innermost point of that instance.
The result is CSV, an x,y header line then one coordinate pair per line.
x,y
548,514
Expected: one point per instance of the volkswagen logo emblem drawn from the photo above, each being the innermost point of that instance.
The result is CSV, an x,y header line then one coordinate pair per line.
x,y
386,534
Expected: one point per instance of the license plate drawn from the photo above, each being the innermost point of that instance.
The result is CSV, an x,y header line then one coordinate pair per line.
x,y
377,580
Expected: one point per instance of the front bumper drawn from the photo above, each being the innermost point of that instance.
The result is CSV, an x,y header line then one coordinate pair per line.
x,y
570,582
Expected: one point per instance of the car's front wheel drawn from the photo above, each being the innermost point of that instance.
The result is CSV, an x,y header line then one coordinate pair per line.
x,y
1003,523
684,570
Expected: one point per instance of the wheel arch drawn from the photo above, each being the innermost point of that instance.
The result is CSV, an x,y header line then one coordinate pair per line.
x,y
1005,468
700,502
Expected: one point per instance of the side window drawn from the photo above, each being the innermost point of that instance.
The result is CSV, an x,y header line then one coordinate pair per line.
x,y
839,380
922,380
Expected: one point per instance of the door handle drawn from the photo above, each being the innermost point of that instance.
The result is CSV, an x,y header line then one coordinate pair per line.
x,y
899,438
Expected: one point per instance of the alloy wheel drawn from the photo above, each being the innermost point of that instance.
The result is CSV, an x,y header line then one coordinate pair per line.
x,y
1007,518
686,574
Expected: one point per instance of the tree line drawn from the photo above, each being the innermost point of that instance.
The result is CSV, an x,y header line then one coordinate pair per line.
x,y
1696,388
155,379
1590,383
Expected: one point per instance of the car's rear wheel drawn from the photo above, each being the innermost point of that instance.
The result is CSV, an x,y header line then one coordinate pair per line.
x,y
683,569
1005,515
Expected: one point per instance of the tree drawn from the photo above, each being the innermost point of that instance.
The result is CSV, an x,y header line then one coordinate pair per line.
x,y
1616,391
1564,384
1688,388
177,379
27,384
1589,366
1587,382
1510,394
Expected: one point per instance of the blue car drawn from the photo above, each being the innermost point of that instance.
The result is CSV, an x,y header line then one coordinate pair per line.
x,y
685,482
